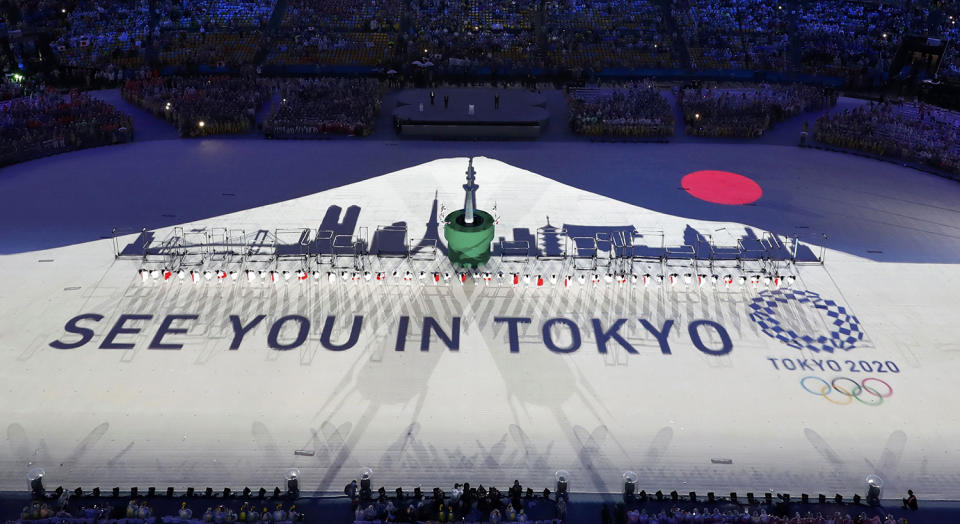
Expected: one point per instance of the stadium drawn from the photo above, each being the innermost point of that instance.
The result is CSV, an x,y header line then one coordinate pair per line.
x,y
457,261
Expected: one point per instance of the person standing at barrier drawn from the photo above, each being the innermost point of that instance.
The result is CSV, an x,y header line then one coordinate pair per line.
x,y
561,509
911,501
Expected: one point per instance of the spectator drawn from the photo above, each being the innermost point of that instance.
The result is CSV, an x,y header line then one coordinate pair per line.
x,y
911,501
200,106
747,112
326,106
915,133
46,124
638,111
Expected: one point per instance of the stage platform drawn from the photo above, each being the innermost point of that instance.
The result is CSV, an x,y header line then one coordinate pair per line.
x,y
701,387
495,113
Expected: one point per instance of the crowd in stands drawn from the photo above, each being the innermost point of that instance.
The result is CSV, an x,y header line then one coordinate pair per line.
x,y
42,15
845,38
214,50
142,513
637,111
715,516
344,15
327,106
337,33
200,106
734,34
473,33
312,47
10,89
47,124
914,133
747,112
213,15
949,27
608,34
462,504
100,32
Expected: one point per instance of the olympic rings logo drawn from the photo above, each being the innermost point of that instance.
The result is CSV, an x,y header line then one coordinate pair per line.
x,y
844,390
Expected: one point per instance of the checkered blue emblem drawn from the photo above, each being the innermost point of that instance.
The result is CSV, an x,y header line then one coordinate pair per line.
x,y
844,328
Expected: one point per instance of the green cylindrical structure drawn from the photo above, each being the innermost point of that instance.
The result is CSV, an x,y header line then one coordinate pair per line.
x,y
468,245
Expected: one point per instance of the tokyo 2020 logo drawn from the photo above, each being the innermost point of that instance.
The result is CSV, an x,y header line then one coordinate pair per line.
x,y
799,319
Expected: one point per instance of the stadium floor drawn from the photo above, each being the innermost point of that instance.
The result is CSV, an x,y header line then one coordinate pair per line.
x,y
711,406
